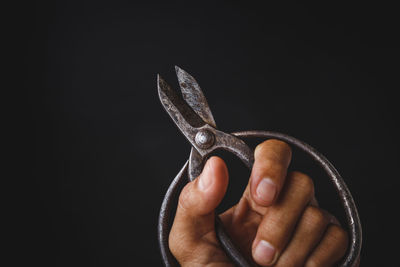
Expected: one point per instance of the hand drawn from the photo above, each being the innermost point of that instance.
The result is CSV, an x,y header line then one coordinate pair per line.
x,y
277,221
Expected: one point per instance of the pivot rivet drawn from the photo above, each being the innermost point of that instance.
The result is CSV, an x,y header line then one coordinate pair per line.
x,y
204,139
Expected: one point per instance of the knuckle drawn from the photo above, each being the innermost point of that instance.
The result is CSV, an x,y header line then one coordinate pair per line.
x,y
272,167
338,234
184,198
181,245
261,147
272,221
313,262
314,216
273,145
303,182
175,244
289,260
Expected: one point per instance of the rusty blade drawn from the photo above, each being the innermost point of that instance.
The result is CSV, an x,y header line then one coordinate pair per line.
x,y
194,97
180,112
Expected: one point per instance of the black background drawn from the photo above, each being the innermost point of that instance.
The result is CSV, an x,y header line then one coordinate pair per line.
x,y
102,151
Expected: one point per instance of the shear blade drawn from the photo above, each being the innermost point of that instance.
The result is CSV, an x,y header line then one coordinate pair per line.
x,y
181,113
193,96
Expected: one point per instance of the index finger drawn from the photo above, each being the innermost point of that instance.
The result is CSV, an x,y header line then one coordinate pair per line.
x,y
271,161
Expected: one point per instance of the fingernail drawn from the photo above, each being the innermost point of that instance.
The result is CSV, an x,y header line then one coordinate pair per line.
x,y
264,253
205,177
266,190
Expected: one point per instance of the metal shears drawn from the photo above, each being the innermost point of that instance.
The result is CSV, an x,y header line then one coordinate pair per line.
x,y
192,115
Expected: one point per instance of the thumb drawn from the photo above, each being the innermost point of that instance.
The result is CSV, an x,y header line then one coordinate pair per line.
x,y
195,212
201,196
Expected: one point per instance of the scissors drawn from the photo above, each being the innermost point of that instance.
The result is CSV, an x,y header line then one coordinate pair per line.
x,y
191,113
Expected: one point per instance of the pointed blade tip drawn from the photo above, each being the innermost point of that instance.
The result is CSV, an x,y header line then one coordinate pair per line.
x,y
162,86
180,72
177,68
193,95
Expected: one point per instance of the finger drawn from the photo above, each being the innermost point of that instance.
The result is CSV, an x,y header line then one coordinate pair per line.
x,y
279,221
314,202
307,235
195,212
331,249
272,159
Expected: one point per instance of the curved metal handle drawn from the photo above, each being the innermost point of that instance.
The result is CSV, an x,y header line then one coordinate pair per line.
x,y
353,220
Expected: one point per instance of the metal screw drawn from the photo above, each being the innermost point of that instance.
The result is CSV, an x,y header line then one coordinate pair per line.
x,y
204,139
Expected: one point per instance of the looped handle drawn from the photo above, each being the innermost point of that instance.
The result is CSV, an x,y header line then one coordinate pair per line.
x,y
353,221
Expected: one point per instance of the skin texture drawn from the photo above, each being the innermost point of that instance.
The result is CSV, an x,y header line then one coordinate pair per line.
x,y
277,221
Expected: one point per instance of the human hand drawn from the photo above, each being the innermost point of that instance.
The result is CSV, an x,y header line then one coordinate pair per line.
x,y
277,221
